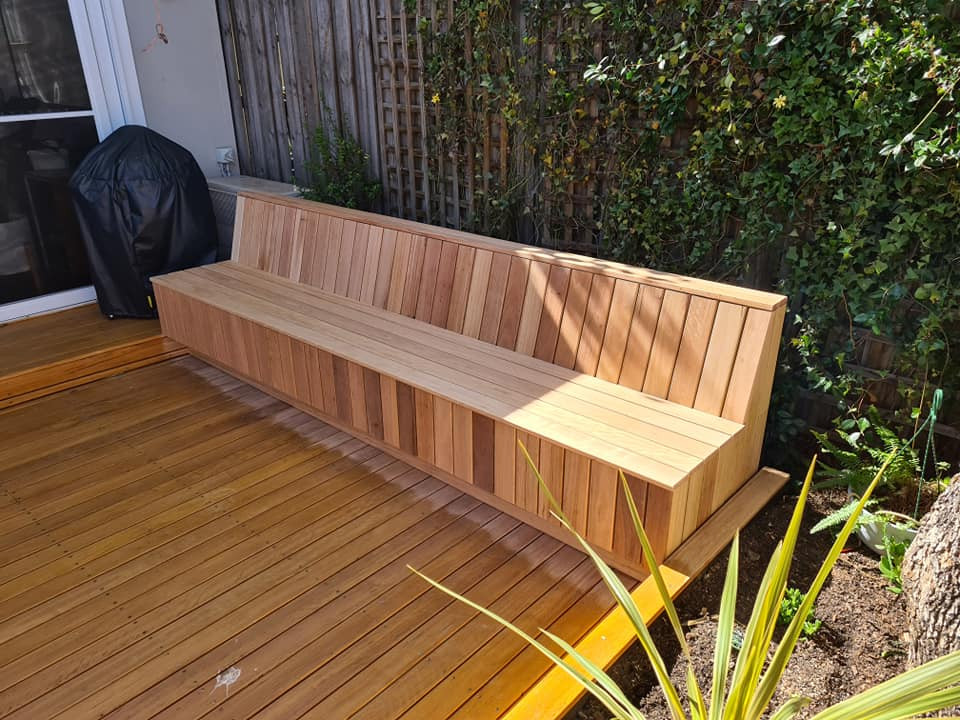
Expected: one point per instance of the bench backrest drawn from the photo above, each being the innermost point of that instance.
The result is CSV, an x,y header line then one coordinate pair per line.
x,y
702,344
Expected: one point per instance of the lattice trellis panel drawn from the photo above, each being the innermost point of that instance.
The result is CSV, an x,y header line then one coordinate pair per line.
x,y
403,120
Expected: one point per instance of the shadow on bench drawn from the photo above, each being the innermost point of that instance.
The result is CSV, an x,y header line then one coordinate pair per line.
x,y
447,348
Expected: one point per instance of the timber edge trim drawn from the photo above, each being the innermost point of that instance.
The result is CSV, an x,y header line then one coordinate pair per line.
x,y
555,694
667,281
38,382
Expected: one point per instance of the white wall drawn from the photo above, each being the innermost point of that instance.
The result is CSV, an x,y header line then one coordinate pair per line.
x,y
183,84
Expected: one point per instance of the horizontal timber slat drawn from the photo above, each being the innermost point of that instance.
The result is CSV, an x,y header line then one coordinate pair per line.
x,y
684,420
49,353
523,385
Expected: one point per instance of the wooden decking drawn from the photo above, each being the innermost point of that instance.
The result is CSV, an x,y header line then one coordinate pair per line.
x,y
46,354
163,526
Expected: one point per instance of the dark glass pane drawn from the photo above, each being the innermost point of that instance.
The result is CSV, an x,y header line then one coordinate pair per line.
x,y
40,68
41,250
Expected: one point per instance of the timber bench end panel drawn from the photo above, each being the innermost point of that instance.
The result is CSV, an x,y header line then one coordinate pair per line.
x,y
448,348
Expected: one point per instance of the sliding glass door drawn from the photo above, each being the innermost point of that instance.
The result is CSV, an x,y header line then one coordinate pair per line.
x,y
47,125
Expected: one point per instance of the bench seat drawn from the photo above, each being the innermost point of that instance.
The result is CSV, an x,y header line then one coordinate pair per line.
x,y
653,439
450,350
234,310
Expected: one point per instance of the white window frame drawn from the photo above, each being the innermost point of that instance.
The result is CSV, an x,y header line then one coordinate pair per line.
x,y
111,77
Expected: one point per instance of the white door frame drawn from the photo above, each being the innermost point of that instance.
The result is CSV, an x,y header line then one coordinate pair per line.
x,y
110,74
108,64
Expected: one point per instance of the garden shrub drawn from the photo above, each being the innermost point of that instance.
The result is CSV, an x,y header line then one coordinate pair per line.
x,y
338,171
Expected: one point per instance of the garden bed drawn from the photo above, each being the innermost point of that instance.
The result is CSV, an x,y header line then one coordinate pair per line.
x,y
858,644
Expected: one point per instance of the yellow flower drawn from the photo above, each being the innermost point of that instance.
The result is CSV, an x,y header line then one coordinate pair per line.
x,y
552,71
435,99
780,101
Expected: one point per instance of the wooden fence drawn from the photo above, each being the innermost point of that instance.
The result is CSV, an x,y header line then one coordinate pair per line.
x,y
296,65
293,65
357,65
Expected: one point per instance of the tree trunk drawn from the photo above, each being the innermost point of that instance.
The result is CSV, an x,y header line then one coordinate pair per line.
x,y
931,581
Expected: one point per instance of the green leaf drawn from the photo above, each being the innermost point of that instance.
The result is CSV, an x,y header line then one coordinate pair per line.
x,y
744,694
752,650
625,600
791,708
725,624
694,692
621,593
598,673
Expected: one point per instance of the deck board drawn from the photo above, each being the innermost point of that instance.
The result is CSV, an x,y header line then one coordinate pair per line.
x,y
161,526
57,336
45,354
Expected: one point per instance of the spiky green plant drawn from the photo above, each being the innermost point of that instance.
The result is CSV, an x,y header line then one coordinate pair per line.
x,y
746,693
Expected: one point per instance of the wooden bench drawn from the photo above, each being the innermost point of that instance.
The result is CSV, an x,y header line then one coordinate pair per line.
x,y
447,348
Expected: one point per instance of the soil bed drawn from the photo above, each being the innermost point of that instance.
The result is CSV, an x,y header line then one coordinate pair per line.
x,y
857,646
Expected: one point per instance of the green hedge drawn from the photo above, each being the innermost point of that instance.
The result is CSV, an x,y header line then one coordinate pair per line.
x,y
809,146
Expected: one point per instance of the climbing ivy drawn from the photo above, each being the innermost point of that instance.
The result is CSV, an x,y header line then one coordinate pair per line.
x,y
808,146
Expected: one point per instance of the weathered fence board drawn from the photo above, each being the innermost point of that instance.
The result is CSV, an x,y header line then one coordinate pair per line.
x,y
293,65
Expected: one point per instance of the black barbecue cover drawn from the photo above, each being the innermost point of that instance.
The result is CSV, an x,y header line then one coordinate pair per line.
x,y
144,210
